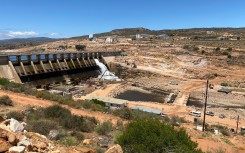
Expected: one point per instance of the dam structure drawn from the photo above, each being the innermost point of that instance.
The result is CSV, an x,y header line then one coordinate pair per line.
x,y
24,67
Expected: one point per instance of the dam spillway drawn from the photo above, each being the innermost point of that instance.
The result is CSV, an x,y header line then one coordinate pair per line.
x,y
22,67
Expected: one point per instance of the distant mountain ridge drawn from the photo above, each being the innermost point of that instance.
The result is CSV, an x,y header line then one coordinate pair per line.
x,y
24,42
127,32
33,39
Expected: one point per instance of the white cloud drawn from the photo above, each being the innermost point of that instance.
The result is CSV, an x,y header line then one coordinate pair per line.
x,y
16,34
54,34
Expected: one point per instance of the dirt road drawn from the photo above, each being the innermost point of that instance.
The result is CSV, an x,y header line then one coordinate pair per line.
x,y
25,100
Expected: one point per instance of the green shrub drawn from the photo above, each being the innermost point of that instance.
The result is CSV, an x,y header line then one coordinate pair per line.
x,y
176,120
140,115
186,47
12,86
79,136
104,128
56,111
229,49
63,117
35,115
120,125
225,84
146,136
16,115
134,114
217,49
229,56
97,107
80,47
123,113
87,104
242,133
68,141
5,100
98,102
78,123
225,132
41,126
4,81
126,114
225,53
73,122
196,49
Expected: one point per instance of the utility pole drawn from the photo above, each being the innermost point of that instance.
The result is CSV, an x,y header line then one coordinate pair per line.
x,y
237,122
205,106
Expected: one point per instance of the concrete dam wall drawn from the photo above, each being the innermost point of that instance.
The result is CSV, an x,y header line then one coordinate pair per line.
x,y
22,67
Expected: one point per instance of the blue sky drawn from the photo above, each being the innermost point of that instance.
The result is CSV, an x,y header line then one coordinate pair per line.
x,y
66,18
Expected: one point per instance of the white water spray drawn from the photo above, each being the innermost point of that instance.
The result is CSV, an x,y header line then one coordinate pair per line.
x,y
105,73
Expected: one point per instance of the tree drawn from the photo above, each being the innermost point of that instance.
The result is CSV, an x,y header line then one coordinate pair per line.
x,y
238,38
80,47
144,136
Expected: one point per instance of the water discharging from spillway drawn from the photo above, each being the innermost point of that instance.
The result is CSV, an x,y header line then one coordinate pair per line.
x,y
105,73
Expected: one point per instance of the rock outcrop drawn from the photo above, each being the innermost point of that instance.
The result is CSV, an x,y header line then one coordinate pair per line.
x,y
115,149
13,139
4,145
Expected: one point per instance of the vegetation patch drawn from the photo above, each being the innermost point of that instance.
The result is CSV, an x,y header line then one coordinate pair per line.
x,y
5,100
56,117
146,136
16,115
104,128
20,88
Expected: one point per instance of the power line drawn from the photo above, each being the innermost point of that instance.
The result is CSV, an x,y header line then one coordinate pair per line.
x,y
205,106
237,122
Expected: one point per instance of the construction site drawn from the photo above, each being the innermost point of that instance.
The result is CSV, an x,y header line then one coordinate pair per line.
x,y
155,76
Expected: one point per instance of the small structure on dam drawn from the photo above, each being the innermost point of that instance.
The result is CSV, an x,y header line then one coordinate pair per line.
x,y
24,67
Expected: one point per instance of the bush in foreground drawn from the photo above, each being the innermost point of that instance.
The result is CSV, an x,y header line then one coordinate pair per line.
x,y
62,117
5,100
146,136
42,126
16,115
104,128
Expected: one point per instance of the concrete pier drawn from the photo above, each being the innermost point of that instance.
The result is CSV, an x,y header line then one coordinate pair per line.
x,y
24,65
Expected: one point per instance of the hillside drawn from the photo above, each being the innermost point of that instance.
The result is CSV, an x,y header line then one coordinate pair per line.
x,y
128,32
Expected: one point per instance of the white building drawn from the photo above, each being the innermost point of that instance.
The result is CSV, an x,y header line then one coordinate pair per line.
x,y
142,36
163,36
91,37
110,40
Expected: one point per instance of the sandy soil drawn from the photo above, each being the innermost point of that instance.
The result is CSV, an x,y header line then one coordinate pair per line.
x,y
101,92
